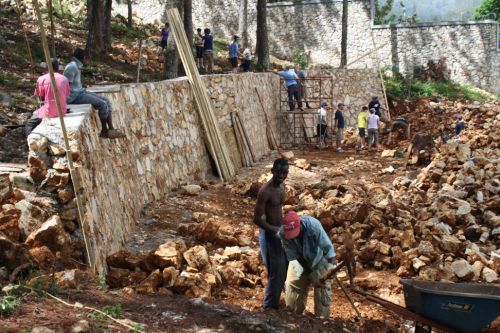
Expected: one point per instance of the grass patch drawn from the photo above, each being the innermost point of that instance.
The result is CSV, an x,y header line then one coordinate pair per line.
x,y
9,304
127,34
399,87
220,44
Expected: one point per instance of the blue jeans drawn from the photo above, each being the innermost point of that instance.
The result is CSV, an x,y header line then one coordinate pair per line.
x,y
294,92
274,258
100,103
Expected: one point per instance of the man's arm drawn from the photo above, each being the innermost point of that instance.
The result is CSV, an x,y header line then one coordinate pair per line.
x,y
260,211
325,244
408,131
70,74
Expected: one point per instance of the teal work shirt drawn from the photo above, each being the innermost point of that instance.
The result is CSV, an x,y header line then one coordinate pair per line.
x,y
312,247
73,74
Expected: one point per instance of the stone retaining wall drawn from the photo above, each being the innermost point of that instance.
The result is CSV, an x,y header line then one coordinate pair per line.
x,y
163,150
315,27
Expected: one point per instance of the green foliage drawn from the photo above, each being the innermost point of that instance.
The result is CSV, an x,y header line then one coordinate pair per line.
x,y
300,58
138,327
9,304
220,44
405,87
111,310
132,33
102,283
382,12
489,9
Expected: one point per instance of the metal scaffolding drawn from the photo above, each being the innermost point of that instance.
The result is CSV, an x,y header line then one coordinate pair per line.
x,y
298,128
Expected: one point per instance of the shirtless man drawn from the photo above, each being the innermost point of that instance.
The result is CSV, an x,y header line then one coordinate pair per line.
x,y
268,215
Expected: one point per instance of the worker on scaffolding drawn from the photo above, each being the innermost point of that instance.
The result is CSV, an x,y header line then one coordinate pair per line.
x,y
292,87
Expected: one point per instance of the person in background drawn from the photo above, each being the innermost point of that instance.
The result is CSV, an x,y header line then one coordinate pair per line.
x,y
312,256
292,88
321,127
45,93
247,58
80,95
362,127
373,123
208,51
459,125
302,84
234,50
375,104
400,124
198,44
339,126
165,31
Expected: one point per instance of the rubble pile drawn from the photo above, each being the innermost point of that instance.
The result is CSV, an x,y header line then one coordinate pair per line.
x,y
151,55
173,267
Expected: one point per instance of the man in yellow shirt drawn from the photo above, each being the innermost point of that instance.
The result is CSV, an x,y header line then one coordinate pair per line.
x,y
362,128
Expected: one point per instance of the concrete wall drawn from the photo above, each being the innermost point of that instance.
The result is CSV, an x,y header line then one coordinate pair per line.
x,y
314,26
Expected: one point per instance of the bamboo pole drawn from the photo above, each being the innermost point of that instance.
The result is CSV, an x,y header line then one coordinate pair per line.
x,y
365,55
273,143
139,61
74,174
216,143
52,28
245,137
25,36
380,75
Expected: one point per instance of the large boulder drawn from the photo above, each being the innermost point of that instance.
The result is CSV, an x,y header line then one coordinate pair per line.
x,y
5,187
32,216
50,234
168,254
197,257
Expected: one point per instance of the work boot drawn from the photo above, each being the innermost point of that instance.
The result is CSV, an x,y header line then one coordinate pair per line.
x,y
112,134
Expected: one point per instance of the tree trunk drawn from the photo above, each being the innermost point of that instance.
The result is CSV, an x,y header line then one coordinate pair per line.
x,y
171,55
262,37
188,26
343,44
95,18
106,27
52,28
243,21
129,13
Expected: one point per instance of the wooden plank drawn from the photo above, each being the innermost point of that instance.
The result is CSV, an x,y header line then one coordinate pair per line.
x,y
216,143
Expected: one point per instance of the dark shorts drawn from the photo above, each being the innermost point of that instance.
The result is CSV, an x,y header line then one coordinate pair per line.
x,y
362,132
199,52
163,43
321,130
234,62
399,125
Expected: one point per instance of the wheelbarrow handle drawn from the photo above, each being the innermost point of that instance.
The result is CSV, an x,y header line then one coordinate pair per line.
x,y
402,311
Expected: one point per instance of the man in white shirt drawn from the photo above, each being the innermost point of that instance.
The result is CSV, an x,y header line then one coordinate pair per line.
x,y
373,123
321,127
247,62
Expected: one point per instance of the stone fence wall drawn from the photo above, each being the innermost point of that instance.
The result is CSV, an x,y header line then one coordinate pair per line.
x,y
164,147
315,28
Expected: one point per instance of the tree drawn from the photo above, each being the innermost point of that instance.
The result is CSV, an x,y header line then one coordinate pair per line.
x,y
343,42
99,26
489,9
262,36
95,21
171,54
382,12
243,21
129,13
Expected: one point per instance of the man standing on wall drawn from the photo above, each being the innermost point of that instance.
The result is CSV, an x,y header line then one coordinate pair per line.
x,y
302,84
208,51
198,44
292,88
80,95
234,50
268,216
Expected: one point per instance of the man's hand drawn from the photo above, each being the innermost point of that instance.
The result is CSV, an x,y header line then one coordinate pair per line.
x,y
318,276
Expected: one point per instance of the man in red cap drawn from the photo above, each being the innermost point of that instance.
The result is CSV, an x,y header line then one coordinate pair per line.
x,y
268,215
311,255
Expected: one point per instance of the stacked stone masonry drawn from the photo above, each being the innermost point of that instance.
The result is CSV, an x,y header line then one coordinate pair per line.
x,y
315,27
164,148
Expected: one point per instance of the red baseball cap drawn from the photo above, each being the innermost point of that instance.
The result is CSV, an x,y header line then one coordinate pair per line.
x,y
291,225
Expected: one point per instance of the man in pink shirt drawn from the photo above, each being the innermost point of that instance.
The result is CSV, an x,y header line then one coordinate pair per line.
x,y
45,92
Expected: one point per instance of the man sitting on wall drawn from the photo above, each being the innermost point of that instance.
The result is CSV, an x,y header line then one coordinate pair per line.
x,y
45,92
80,95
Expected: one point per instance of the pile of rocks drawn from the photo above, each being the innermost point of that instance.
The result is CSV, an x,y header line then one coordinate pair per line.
x,y
173,267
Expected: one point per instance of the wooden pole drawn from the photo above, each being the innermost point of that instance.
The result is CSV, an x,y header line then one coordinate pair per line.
x,y
52,28
74,174
139,61
380,75
273,143
20,14
364,55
